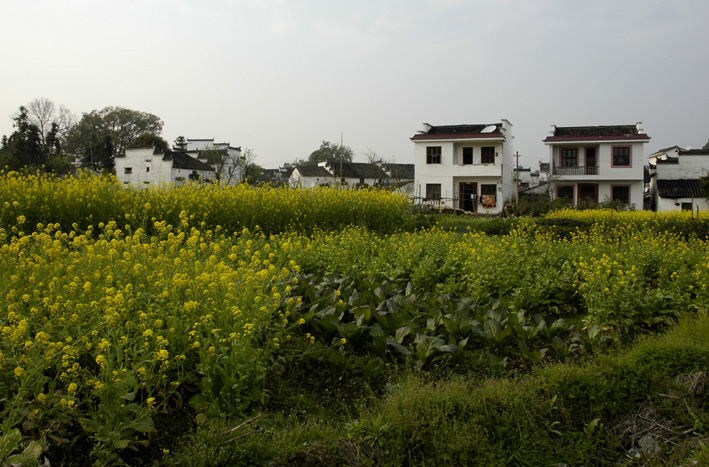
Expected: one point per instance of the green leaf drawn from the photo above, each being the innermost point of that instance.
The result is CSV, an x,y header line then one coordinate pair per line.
x,y
401,334
9,442
129,396
144,425
398,347
121,443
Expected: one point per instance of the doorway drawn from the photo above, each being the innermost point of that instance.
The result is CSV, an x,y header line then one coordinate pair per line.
x,y
468,192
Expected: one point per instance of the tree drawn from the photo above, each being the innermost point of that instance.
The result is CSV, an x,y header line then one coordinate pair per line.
x,y
48,118
24,146
704,184
250,171
110,129
180,144
151,140
225,161
333,154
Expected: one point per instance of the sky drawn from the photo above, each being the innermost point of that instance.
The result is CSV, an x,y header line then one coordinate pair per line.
x,y
282,76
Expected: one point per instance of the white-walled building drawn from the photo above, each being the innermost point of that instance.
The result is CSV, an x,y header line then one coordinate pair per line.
x,y
142,167
351,174
465,166
674,179
597,163
229,171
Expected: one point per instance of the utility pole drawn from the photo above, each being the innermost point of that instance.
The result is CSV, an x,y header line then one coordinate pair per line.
x,y
517,182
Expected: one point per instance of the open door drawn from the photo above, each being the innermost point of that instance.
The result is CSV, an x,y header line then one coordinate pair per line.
x,y
468,196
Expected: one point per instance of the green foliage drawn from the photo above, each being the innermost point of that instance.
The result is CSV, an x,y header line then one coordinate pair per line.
x,y
101,135
330,153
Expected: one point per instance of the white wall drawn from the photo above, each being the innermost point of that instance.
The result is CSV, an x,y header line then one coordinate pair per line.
x,y
146,168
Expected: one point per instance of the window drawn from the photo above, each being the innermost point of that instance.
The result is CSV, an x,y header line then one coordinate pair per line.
x,y
128,170
565,192
433,155
467,156
621,193
147,169
488,194
621,156
433,191
687,207
487,155
569,157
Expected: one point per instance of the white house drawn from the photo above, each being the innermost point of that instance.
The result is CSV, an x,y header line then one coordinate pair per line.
x,y
351,174
229,169
674,179
309,176
142,167
597,163
465,166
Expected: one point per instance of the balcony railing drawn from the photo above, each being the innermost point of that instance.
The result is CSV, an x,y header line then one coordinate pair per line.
x,y
588,170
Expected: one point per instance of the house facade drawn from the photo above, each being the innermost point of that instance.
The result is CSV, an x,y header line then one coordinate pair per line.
x,y
597,163
227,166
675,179
144,167
465,166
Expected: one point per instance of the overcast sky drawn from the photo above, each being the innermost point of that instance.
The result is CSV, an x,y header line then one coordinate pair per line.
x,y
280,76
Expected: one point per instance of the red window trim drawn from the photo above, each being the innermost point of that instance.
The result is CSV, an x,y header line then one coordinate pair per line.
x,y
630,192
630,155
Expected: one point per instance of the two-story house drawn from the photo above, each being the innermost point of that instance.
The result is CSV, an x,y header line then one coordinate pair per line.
x,y
465,166
597,163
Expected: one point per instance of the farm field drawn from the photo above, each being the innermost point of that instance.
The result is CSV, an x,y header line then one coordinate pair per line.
x,y
215,326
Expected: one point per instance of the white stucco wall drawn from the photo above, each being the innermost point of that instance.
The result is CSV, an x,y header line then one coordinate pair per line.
x,y
688,167
666,204
146,168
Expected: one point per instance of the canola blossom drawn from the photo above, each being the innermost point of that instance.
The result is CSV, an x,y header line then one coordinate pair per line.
x,y
115,303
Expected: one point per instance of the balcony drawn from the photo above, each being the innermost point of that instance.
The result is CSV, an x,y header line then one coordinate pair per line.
x,y
585,170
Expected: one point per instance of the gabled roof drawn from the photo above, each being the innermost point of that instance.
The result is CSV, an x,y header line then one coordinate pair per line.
x,y
182,160
596,133
686,188
474,131
313,171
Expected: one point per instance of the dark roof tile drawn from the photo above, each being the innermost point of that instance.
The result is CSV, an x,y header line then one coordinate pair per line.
x,y
685,188
182,160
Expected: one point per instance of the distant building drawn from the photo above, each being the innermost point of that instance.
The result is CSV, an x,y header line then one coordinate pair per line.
x,y
142,167
675,174
352,174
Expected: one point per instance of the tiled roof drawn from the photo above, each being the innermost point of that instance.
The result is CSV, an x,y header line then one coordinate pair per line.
x,y
400,171
686,188
693,152
474,131
596,133
359,170
181,160
669,160
313,171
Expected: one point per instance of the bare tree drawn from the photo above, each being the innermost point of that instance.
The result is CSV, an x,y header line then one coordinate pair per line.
x,y
43,113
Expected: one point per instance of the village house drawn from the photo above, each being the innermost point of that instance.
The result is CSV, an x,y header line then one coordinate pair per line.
x,y
465,166
675,174
351,174
597,163
142,167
